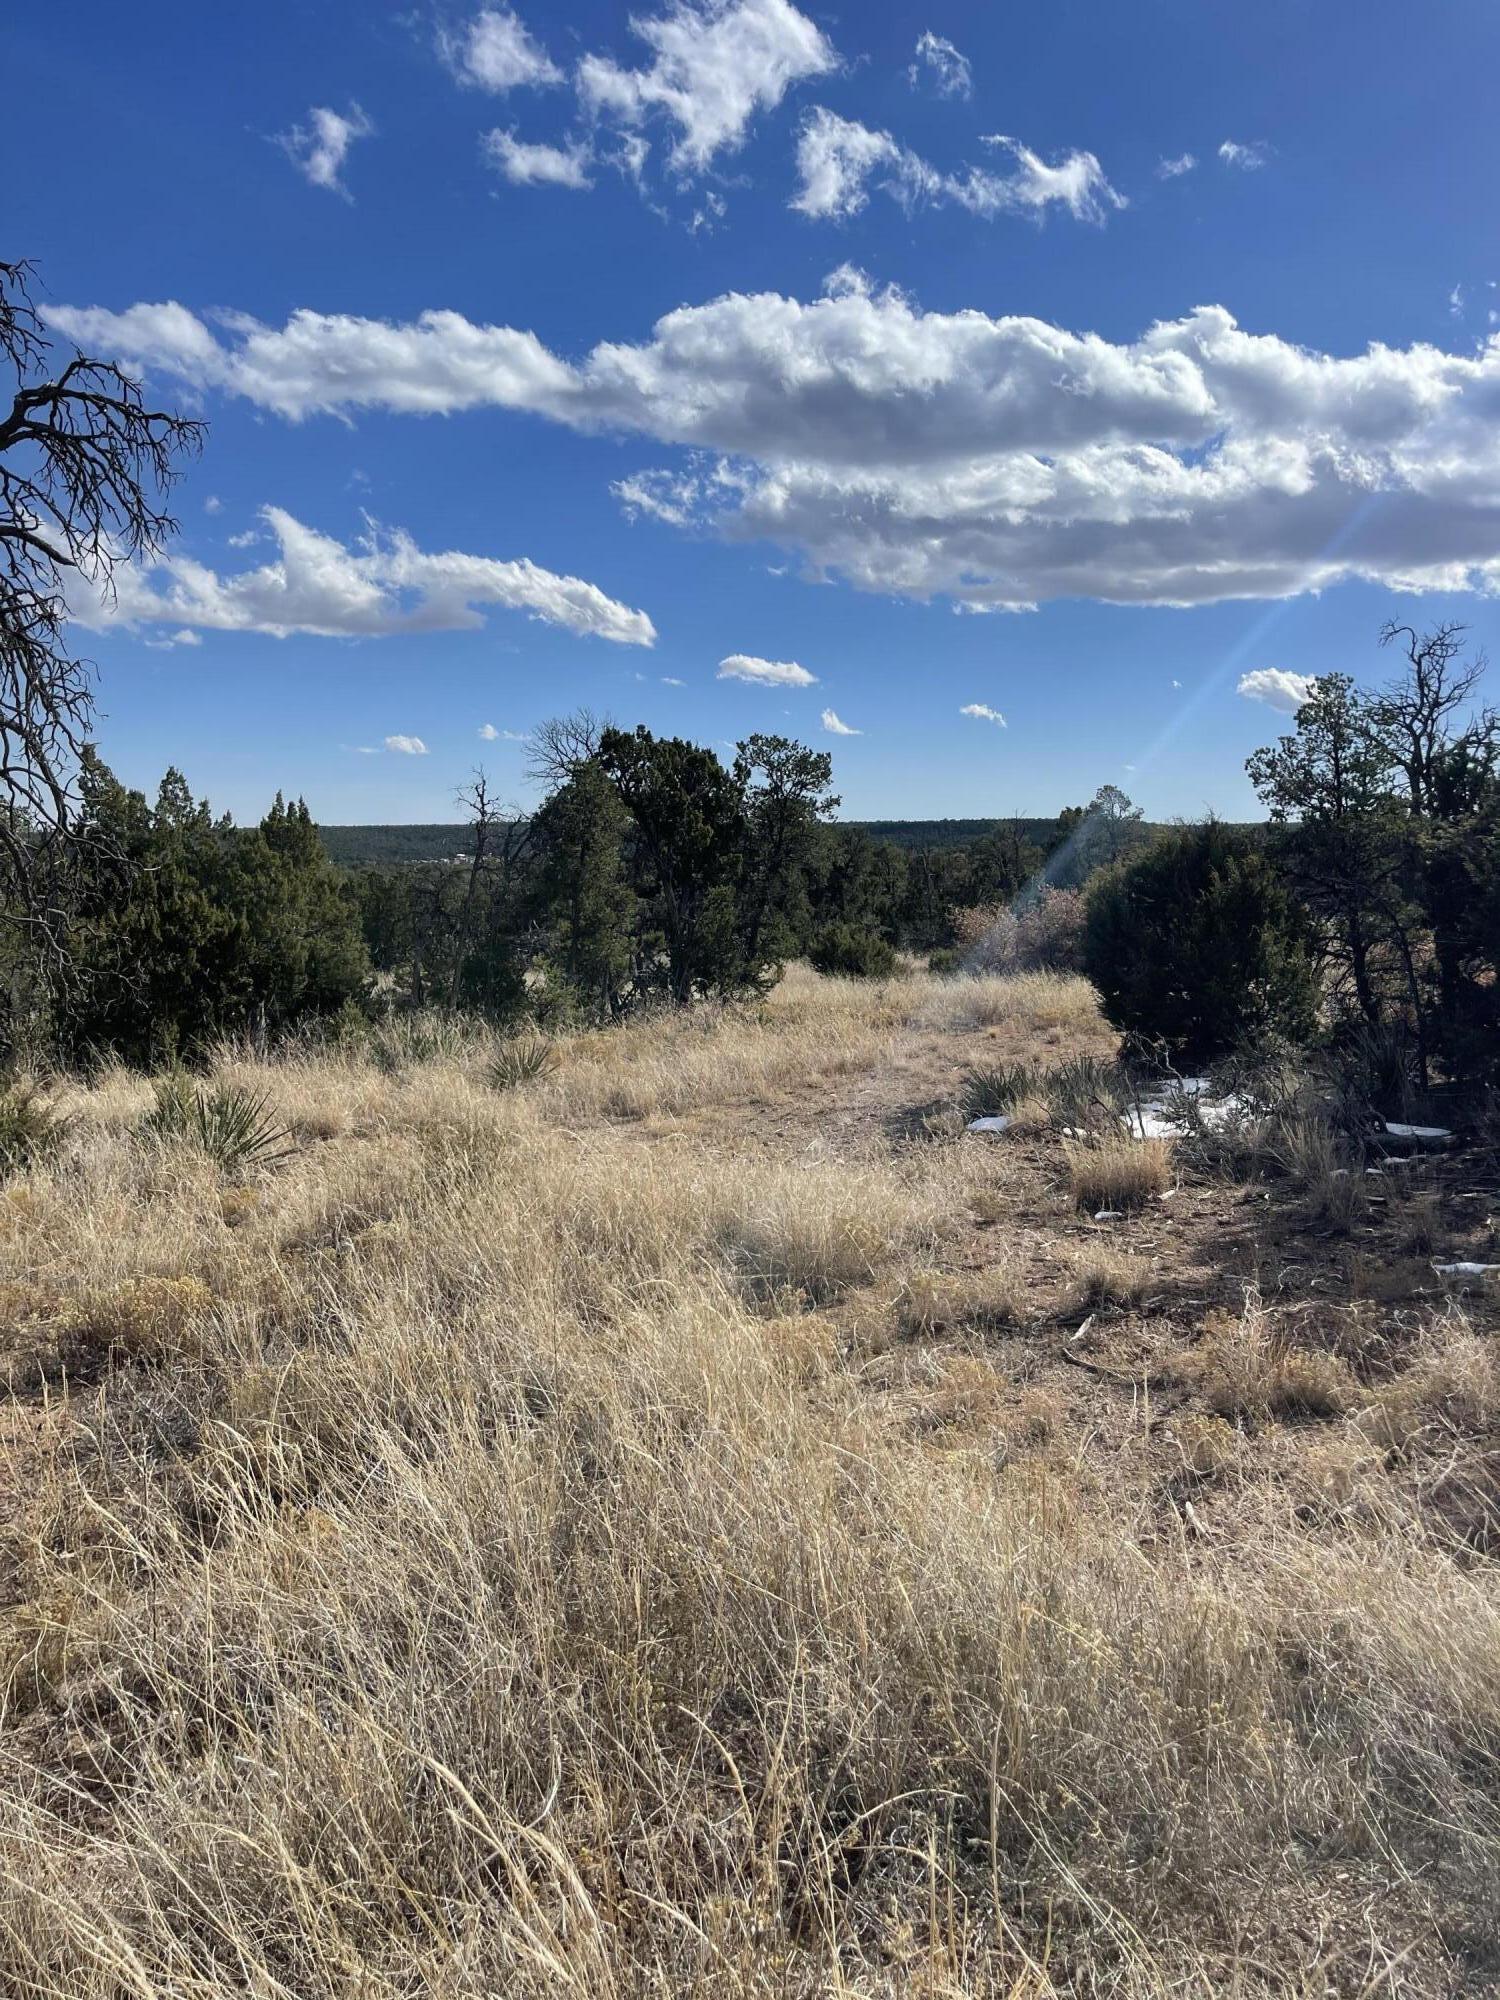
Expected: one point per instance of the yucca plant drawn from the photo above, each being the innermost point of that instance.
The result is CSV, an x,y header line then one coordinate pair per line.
x,y
30,1126
1080,1090
991,1090
233,1126
521,1060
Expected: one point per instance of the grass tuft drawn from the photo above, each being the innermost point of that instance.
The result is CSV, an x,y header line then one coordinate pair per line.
x,y
1114,1171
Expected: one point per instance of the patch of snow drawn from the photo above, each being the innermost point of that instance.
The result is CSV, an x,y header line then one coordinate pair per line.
x,y
1464,1270
1435,1135
996,1124
1165,1114
1109,1215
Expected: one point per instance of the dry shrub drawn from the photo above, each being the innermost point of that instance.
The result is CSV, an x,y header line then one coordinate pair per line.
x,y
934,1302
1249,1367
148,1319
1103,1275
1326,1171
1115,1171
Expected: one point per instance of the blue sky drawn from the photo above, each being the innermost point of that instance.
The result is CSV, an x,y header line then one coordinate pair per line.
x,y
948,337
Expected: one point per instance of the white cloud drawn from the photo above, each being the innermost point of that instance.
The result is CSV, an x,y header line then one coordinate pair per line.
x,y
1277,688
838,161
764,673
1171,170
671,681
1456,302
939,63
1076,181
169,640
837,728
526,164
406,746
490,734
714,64
496,51
213,504
317,585
997,461
1247,157
319,147
982,712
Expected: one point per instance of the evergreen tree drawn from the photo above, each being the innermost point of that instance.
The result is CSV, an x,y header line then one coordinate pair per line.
x,y
581,892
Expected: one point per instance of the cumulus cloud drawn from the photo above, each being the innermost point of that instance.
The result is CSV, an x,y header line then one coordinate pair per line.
x,y
714,64
939,64
1171,170
837,728
764,673
318,147
496,51
1246,157
406,746
982,712
1278,689
490,734
386,585
839,160
998,461
527,164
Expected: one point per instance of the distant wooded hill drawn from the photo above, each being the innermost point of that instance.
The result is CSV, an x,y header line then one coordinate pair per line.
x,y
379,846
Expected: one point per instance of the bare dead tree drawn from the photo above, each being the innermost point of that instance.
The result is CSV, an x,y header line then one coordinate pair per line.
x,y
1417,713
561,744
501,837
85,468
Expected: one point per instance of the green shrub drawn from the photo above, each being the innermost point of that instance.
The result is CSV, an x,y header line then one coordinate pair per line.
x,y
521,1061
846,951
29,1126
1196,943
231,1125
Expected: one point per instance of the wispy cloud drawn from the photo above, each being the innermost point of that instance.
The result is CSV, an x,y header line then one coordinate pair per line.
x,y
671,681
839,160
1278,689
527,164
319,146
385,585
1171,170
714,64
490,734
496,51
406,746
835,727
940,65
1247,157
764,673
982,712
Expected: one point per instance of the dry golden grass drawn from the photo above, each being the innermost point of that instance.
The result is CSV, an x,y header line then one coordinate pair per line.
x,y
480,1569
1117,1172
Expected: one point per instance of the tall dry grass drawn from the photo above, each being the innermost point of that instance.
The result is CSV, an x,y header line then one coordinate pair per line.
x,y
484,1575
